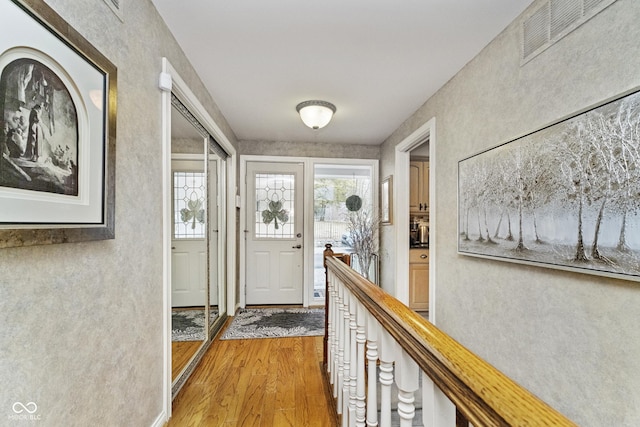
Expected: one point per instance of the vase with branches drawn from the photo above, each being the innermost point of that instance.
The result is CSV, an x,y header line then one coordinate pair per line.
x,y
363,226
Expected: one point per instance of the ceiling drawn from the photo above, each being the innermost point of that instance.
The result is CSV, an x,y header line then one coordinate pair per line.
x,y
378,61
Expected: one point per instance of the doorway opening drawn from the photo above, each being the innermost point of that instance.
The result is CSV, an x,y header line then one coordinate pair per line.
x,y
333,184
304,240
426,132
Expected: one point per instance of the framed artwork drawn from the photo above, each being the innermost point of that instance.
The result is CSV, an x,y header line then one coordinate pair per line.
x,y
58,104
386,201
566,196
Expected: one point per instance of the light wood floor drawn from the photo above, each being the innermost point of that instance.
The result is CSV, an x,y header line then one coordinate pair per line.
x,y
181,354
256,382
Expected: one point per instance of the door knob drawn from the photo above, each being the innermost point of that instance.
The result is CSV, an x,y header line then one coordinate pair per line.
x,y
296,246
423,256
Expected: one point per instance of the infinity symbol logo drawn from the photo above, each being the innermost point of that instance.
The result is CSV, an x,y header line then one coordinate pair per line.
x,y
19,407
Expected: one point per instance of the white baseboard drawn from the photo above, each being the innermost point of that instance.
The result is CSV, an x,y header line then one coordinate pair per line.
x,y
161,420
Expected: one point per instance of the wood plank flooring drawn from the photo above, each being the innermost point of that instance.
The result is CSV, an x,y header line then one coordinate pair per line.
x,y
256,382
181,354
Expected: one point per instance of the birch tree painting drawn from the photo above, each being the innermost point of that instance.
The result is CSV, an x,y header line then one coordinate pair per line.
x,y
566,196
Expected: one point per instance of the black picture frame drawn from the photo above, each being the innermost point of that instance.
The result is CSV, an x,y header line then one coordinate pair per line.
x,y
386,201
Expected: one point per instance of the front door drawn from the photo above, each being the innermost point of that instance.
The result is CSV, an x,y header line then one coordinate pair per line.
x,y
274,240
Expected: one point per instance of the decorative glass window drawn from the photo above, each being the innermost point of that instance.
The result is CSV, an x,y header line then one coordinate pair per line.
x,y
189,203
274,216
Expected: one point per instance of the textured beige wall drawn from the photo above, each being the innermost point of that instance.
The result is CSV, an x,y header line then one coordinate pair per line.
x,y
388,232
308,149
81,324
187,146
572,339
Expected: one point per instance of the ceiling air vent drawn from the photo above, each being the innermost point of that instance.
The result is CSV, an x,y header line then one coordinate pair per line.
x,y
554,20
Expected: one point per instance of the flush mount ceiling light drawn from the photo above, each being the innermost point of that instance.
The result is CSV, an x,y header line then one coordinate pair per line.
x,y
316,114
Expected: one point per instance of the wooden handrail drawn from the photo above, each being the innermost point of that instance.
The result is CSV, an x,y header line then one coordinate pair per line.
x,y
482,394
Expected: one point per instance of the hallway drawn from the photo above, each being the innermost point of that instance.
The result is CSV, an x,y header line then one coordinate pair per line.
x,y
256,382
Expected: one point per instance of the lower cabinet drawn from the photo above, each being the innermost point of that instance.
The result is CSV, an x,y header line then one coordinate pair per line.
x,y
419,279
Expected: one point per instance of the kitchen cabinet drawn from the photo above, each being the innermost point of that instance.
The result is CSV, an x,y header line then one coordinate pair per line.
x,y
419,187
419,279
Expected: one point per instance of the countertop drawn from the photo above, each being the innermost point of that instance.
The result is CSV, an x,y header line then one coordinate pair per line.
x,y
419,246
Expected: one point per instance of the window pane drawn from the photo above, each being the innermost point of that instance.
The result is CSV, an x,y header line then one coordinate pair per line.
x,y
333,185
189,204
274,215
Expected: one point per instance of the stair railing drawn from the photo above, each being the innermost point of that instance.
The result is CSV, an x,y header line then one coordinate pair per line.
x,y
373,341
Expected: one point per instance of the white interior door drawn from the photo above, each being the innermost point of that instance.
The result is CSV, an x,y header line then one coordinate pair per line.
x,y
274,271
188,245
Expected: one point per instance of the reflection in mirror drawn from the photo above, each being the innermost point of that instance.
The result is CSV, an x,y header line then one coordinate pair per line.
x,y
198,243
189,290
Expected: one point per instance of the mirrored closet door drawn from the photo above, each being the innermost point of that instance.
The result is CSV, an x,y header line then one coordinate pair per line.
x,y
197,257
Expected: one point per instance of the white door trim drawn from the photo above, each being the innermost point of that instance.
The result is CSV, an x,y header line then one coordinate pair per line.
x,y
170,81
441,408
244,159
309,164
401,212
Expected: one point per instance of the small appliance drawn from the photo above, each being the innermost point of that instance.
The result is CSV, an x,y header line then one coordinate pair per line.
x,y
423,233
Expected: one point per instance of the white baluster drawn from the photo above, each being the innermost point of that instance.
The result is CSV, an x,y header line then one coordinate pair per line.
x,y
361,339
428,409
372,360
330,333
442,412
339,365
353,367
407,381
346,376
387,356
333,308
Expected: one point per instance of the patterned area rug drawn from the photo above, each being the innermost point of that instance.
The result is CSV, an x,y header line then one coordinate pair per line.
x,y
188,325
276,323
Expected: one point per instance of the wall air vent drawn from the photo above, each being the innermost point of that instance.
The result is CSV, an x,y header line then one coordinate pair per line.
x,y
536,31
563,14
116,7
590,4
554,20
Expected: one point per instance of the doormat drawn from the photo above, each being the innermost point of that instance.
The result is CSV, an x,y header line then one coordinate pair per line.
x,y
275,323
188,325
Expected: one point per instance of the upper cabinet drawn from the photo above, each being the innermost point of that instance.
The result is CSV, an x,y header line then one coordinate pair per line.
x,y
419,187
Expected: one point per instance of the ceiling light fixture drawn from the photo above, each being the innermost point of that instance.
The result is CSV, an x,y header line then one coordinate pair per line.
x,y
316,114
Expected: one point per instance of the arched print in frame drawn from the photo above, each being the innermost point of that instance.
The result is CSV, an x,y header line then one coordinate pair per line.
x,y
40,124
57,134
